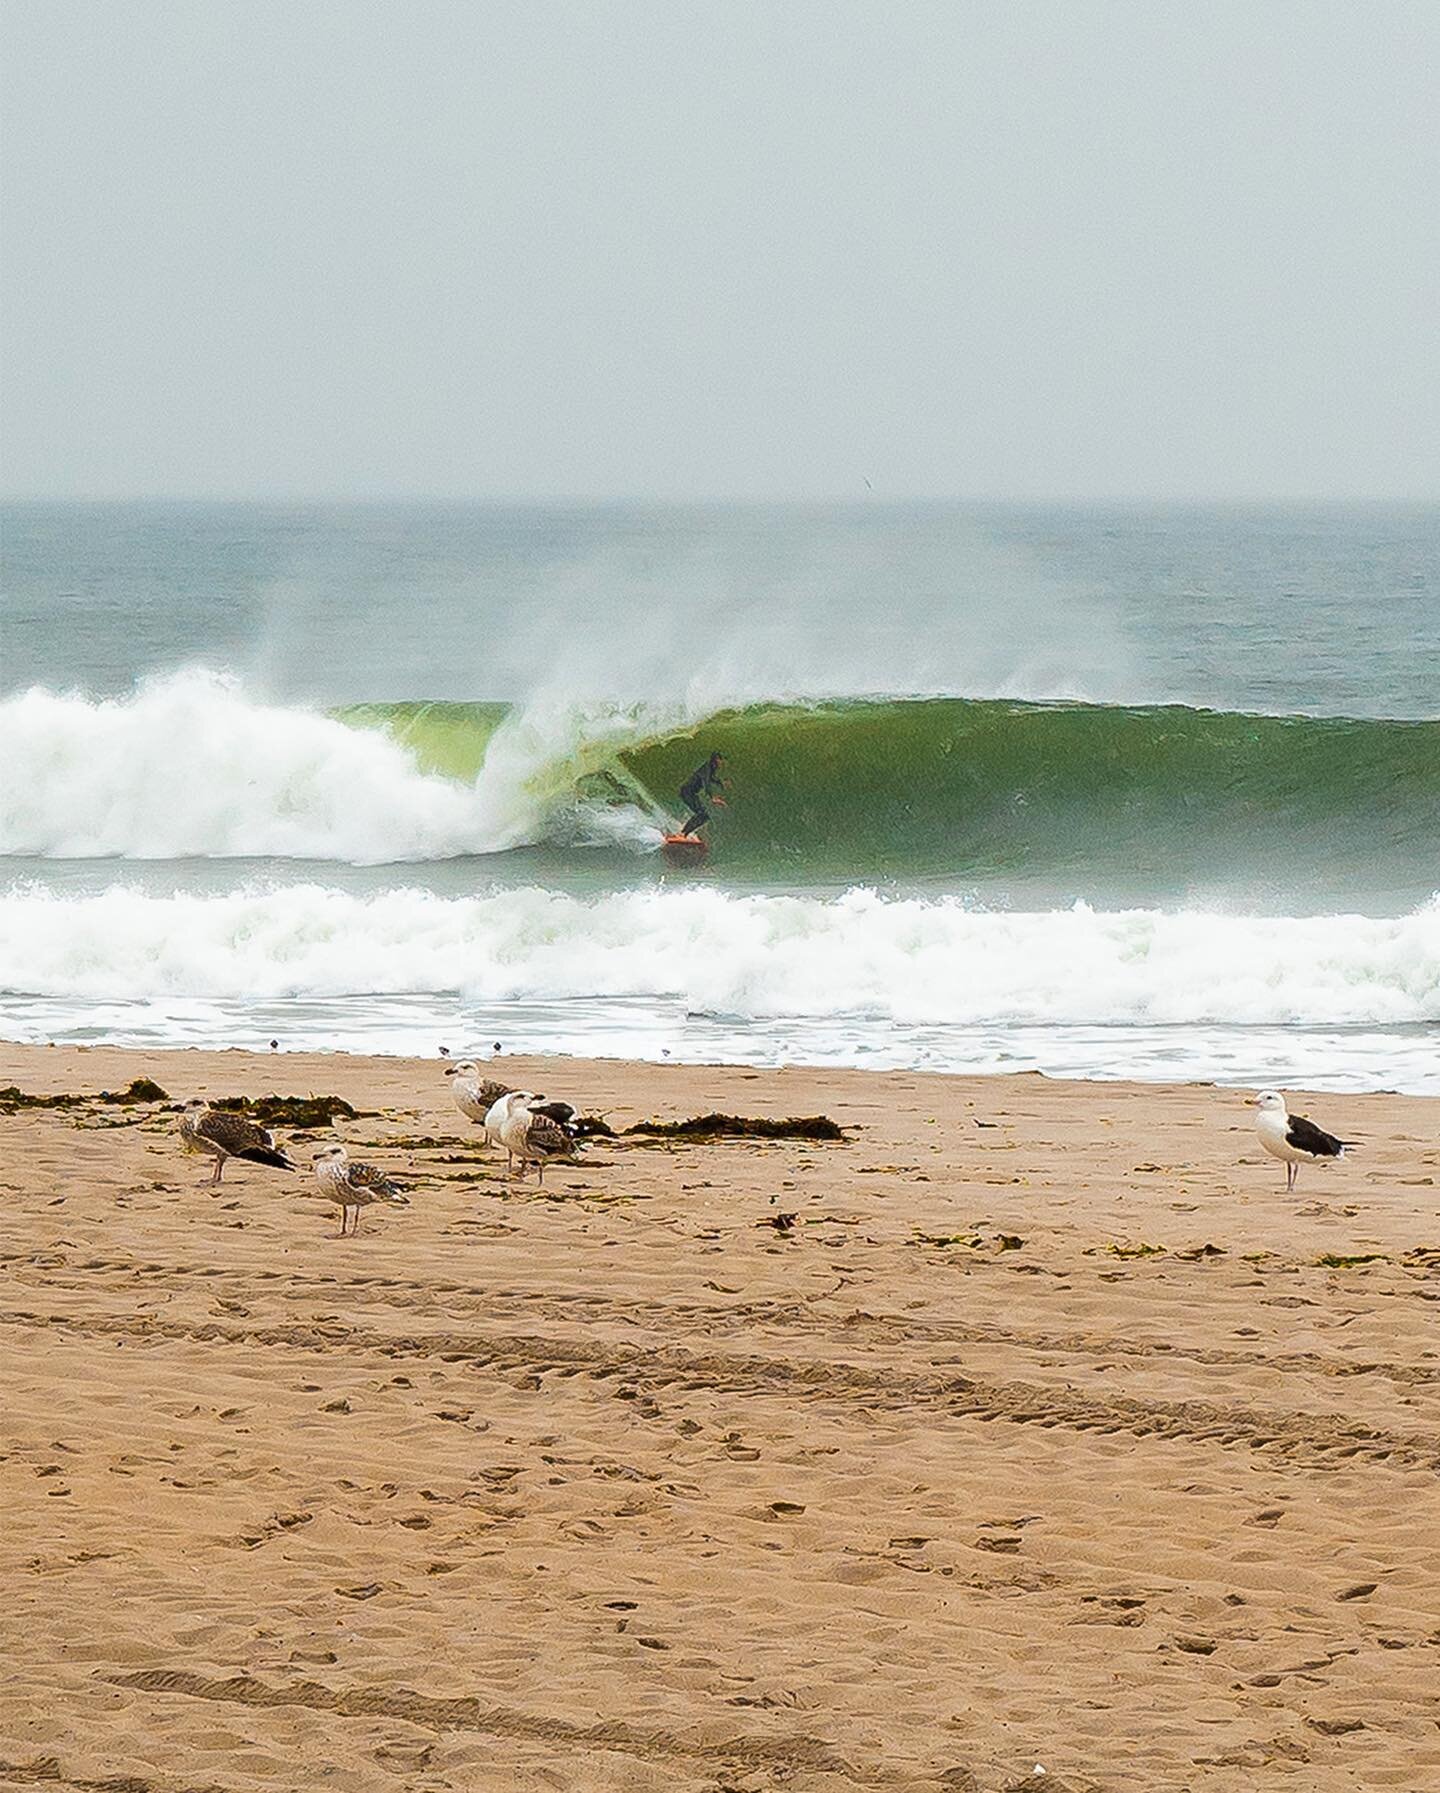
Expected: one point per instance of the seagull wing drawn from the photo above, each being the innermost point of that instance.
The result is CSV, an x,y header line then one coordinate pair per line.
x,y
371,1178
564,1114
240,1138
1305,1136
545,1138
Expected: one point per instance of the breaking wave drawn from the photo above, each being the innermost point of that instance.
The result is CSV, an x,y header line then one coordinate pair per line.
x,y
191,766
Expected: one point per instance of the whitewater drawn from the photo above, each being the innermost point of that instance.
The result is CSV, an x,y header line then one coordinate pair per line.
x,y
1053,832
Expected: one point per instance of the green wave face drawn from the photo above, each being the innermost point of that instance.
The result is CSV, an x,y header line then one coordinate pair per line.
x,y
445,738
948,786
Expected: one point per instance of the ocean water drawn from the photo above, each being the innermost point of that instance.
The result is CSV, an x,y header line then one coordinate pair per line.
x,y
1133,792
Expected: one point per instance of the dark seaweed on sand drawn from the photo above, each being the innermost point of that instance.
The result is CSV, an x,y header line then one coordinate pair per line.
x,y
290,1111
141,1090
739,1126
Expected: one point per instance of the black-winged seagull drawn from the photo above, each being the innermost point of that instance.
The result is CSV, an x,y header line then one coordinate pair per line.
x,y
1291,1138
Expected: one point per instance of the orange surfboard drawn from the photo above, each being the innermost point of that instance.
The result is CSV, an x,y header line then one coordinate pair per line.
x,y
684,850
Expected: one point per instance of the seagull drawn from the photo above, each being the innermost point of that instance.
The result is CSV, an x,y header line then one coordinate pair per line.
x,y
225,1135
1291,1137
498,1114
530,1134
473,1094
354,1185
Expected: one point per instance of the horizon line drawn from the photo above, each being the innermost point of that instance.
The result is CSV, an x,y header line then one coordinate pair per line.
x,y
598,501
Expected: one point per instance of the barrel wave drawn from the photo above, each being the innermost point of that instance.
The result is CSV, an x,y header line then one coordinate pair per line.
x,y
950,787
1005,796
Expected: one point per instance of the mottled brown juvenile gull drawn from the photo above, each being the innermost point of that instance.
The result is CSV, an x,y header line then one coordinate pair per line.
x,y
354,1186
220,1134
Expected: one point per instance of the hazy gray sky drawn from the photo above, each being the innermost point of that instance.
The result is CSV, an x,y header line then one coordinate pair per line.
x,y
776,248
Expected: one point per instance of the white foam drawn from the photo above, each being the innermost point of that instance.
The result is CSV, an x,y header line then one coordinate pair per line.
x,y
935,962
190,766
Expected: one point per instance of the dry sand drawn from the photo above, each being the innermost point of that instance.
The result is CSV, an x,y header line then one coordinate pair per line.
x,y
614,1487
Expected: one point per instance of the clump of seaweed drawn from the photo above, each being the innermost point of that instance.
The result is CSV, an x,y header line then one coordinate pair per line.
x,y
972,1241
739,1126
12,1098
592,1126
290,1111
142,1089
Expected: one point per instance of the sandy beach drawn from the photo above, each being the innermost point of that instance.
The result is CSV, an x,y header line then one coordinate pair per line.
x,y
1050,1433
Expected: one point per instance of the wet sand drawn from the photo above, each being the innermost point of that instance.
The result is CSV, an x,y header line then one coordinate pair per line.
x,y
1045,1436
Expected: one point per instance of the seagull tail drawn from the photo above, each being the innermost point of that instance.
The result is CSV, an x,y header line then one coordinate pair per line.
x,y
267,1155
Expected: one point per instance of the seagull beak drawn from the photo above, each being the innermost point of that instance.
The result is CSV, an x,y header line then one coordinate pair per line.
x,y
451,1071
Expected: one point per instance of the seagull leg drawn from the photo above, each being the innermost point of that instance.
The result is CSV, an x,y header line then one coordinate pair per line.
x,y
219,1167
1290,1170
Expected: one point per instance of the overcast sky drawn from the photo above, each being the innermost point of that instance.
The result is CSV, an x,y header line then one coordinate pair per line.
x,y
1007,248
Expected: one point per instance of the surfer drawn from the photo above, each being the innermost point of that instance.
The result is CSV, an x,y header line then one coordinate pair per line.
x,y
705,781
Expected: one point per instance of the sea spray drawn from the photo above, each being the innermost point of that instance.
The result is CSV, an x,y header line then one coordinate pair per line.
x,y
191,766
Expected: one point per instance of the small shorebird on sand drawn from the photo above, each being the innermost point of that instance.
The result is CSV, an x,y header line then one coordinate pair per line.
x,y
354,1186
1291,1138
221,1134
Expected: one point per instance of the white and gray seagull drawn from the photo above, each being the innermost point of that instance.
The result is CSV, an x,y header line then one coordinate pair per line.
x,y
473,1094
1292,1138
354,1186
532,1130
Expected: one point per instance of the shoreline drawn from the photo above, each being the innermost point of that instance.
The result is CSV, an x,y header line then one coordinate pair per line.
x,y
1049,1401
1332,1074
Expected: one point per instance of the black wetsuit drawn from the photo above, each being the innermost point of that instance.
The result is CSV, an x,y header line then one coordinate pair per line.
x,y
697,787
